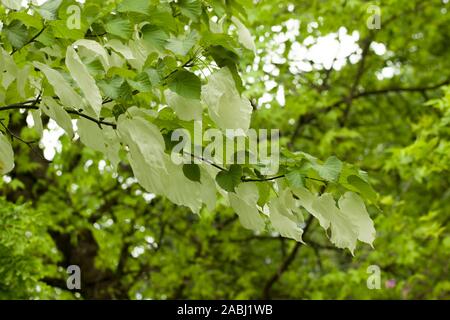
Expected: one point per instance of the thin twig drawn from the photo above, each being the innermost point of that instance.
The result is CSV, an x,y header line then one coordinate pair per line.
x,y
29,41
262,179
277,177
99,122
311,116
206,161
31,105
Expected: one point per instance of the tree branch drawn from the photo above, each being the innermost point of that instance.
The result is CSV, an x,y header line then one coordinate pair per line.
x,y
361,69
20,105
402,89
31,105
244,179
311,116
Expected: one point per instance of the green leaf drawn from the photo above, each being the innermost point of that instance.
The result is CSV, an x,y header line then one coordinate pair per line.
x,y
154,36
343,232
16,33
56,112
22,78
244,203
111,87
186,109
143,137
84,80
63,89
90,134
229,179
282,218
192,171
223,56
153,76
49,9
36,114
162,14
226,107
119,27
141,83
125,92
264,189
244,35
121,48
59,29
156,171
12,4
363,188
296,179
186,84
96,49
348,223
138,6
190,8
28,20
6,155
100,139
226,58
306,199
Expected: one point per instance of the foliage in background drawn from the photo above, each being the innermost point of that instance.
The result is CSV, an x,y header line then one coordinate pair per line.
x,y
379,110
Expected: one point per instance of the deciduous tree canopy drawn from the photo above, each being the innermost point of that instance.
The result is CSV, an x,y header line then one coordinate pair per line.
x,y
96,98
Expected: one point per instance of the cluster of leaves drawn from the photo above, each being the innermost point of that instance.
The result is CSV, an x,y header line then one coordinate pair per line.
x,y
133,75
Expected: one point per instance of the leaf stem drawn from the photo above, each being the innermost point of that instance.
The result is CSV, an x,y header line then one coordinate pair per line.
x,y
29,41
